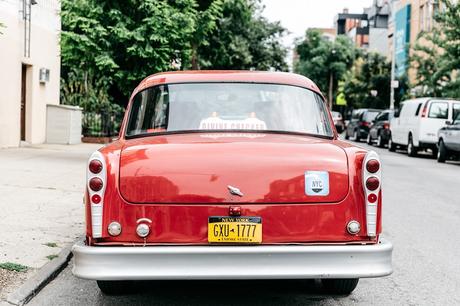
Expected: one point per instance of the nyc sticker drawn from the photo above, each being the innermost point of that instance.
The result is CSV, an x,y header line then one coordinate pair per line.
x,y
317,183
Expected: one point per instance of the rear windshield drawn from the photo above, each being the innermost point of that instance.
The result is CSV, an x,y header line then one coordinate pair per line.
x,y
228,106
370,116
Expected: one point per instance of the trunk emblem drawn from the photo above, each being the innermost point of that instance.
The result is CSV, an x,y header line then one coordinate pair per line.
x,y
234,191
317,183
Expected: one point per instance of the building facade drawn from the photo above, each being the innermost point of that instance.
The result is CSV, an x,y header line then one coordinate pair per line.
x,y
368,30
409,19
29,68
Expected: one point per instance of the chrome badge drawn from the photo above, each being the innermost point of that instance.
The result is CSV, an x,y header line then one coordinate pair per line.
x,y
234,191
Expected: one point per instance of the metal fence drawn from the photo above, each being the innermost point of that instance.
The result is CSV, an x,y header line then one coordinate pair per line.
x,y
102,124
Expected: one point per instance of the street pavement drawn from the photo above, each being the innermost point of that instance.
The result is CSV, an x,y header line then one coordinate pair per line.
x,y
421,213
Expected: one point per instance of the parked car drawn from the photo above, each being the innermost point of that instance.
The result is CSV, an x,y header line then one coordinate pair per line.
x,y
449,138
361,120
231,175
338,121
380,129
416,123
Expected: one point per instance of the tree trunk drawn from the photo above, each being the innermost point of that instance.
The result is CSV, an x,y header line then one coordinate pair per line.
x,y
195,65
331,91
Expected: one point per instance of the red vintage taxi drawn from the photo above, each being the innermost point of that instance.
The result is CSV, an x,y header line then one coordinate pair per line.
x,y
231,175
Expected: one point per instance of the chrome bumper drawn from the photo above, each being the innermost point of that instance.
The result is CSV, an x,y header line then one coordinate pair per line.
x,y
232,262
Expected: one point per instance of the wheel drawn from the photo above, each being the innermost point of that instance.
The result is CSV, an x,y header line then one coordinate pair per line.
x,y
346,135
369,139
411,149
380,143
340,286
391,145
114,287
442,152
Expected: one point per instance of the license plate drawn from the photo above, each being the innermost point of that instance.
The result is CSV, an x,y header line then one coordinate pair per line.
x,y
235,230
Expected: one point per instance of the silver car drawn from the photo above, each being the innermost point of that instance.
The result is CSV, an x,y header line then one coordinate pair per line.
x,y
449,139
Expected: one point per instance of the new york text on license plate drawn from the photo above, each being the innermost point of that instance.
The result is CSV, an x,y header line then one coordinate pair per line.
x,y
235,230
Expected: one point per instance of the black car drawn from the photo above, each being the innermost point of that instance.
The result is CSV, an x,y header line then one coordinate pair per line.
x,y
380,129
361,121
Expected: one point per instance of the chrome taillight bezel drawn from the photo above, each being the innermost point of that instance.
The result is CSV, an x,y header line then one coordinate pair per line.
x,y
96,208
371,206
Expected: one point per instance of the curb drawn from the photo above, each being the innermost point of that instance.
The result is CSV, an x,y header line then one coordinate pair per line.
x,y
39,280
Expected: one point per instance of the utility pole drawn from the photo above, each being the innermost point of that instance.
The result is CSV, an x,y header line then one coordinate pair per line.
x,y
393,57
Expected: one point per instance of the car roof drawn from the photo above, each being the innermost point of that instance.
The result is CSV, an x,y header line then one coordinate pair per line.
x,y
230,76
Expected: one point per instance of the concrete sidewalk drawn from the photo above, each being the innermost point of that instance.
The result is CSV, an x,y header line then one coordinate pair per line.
x,y
41,208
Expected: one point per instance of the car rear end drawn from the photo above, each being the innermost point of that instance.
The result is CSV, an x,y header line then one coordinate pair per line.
x,y
434,115
365,122
233,205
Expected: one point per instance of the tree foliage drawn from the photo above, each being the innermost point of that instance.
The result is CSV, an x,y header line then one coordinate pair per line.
x,y
243,39
436,55
109,46
320,59
371,72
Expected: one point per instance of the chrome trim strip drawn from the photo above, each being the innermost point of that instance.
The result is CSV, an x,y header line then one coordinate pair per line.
x,y
232,262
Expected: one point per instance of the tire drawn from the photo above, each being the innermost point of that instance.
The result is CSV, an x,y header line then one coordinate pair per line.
x,y
380,143
391,145
114,287
442,152
369,139
346,135
411,149
340,286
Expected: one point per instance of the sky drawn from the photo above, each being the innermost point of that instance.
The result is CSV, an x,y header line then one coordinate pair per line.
x,y
298,15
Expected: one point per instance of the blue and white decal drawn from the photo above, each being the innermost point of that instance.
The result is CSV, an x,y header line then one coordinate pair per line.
x,y
317,183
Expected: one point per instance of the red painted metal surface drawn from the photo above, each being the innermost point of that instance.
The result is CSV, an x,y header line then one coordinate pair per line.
x,y
198,167
178,181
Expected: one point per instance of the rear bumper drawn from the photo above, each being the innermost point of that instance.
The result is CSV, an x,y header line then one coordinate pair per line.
x,y
232,262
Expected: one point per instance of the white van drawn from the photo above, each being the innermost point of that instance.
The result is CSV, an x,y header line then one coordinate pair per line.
x,y
416,124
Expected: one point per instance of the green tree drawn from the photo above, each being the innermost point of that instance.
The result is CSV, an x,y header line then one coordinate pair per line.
x,y
121,42
426,59
436,55
368,82
325,62
243,39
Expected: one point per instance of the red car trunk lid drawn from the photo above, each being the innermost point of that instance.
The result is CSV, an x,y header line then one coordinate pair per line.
x,y
197,168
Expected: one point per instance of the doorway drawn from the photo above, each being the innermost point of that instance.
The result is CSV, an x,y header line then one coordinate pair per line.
x,y
23,101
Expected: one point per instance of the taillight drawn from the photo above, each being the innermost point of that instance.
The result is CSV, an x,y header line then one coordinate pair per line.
x,y
95,166
96,176
386,126
373,165
371,185
425,109
96,184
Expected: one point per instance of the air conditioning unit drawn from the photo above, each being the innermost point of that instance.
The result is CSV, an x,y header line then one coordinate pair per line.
x,y
44,76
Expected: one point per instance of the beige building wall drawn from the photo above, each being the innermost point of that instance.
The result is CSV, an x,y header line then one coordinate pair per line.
x,y
44,53
422,12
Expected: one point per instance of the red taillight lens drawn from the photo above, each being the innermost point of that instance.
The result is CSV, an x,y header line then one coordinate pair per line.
x,y
96,199
386,126
373,166
372,183
95,166
95,184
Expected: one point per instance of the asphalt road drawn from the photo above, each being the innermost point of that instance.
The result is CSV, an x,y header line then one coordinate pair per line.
x,y
421,216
